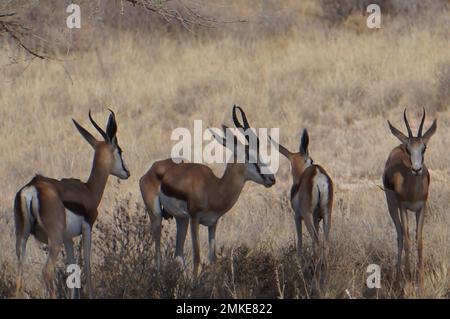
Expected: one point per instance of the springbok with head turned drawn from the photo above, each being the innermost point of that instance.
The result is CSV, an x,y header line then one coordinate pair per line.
x,y
311,193
56,211
191,193
406,181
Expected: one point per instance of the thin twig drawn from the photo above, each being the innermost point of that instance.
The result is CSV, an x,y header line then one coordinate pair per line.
x,y
186,15
5,27
380,187
7,14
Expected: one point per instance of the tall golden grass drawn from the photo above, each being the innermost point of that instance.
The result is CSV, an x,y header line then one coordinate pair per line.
x,y
290,66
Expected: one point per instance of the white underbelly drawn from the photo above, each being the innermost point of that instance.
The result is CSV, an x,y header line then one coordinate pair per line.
x,y
209,218
178,209
74,224
412,206
175,207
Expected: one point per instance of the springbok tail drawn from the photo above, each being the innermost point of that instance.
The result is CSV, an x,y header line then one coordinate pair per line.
x,y
30,204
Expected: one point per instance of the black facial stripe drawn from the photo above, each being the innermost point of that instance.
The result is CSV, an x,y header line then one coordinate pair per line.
x,y
258,169
121,160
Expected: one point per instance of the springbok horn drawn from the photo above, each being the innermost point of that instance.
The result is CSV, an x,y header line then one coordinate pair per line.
x,y
419,133
407,124
99,129
244,118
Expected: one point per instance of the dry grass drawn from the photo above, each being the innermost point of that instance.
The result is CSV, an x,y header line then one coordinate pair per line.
x,y
289,67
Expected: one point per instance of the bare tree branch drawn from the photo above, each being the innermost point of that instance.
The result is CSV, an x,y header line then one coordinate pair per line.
x,y
11,25
2,15
177,10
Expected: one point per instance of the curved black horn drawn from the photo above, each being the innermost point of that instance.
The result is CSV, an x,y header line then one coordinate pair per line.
x,y
246,126
244,118
99,129
419,133
407,124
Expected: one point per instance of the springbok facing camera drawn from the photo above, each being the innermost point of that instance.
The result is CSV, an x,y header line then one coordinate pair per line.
x,y
311,193
191,192
56,211
406,181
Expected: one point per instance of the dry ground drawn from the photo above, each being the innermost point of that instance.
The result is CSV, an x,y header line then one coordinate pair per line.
x,y
292,70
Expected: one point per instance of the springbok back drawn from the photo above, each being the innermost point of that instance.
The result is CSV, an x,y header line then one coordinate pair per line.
x,y
311,193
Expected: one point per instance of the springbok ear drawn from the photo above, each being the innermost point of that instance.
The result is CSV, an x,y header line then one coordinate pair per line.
x,y
402,137
114,141
304,143
87,136
283,150
111,127
428,134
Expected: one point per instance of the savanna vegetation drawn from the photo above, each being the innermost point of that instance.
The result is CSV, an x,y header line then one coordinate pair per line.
x,y
289,64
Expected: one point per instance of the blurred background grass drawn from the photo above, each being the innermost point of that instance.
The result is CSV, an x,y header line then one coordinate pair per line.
x,y
292,64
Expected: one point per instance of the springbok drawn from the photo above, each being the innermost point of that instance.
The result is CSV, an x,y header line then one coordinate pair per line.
x,y
191,192
406,181
56,211
311,193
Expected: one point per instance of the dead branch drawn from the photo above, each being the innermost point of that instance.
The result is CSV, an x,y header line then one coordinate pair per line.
x,y
179,11
11,25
